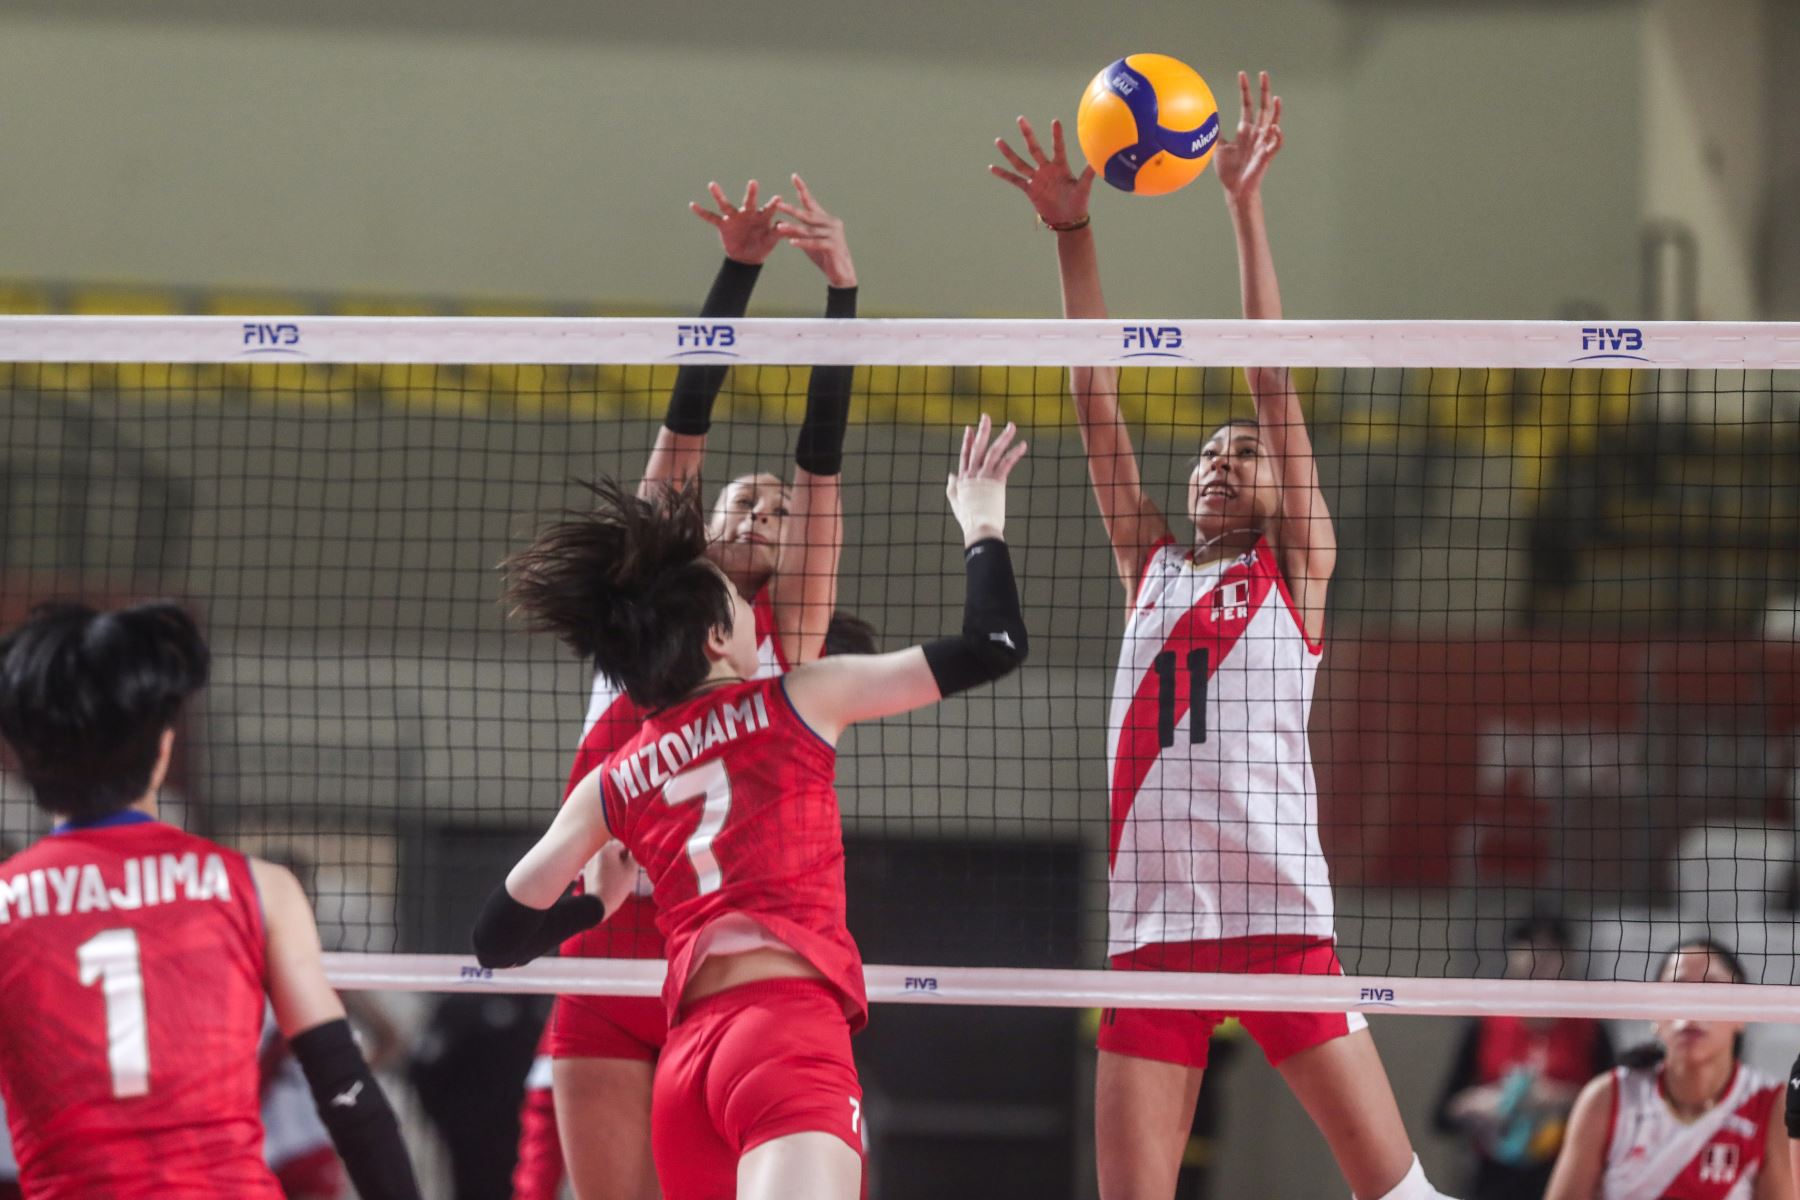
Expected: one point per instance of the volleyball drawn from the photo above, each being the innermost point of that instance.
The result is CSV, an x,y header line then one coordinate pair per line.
x,y
1148,123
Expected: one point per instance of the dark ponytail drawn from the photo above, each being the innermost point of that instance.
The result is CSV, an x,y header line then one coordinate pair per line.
x,y
85,697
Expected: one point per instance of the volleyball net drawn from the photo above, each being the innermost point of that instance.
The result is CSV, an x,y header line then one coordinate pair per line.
x,y
1561,676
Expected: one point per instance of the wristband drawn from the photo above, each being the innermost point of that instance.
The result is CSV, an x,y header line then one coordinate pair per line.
x,y
697,386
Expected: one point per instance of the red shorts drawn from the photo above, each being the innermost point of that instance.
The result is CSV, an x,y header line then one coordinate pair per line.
x,y
317,1175
633,1027
744,1067
1181,1036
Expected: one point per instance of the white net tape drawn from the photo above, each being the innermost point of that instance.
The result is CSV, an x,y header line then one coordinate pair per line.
x,y
1169,343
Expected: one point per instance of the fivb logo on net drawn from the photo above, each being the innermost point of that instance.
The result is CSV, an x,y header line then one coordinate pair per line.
x,y
262,337
695,339
1152,341
1607,342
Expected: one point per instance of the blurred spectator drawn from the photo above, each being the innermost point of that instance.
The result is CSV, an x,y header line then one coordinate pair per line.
x,y
469,1072
539,1175
1515,1078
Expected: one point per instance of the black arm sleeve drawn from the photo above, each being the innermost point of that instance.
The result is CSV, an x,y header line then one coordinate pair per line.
x,y
993,641
819,450
510,934
697,386
356,1113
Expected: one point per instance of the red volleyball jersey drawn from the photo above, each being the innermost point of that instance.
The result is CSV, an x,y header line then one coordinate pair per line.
x,y
728,800
612,718
132,962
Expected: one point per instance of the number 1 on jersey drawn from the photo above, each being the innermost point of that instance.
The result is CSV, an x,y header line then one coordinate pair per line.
x,y
111,958
709,780
1199,669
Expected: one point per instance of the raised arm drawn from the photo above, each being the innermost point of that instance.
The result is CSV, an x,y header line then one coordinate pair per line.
x,y
1134,525
1582,1161
1304,540
839,691
803,591
350,1102
747,233
1774,1181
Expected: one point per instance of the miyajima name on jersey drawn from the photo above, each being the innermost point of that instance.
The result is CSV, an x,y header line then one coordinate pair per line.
x,y
651,764
81,888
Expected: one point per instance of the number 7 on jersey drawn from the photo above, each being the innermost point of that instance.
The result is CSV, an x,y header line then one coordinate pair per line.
x,y
707,780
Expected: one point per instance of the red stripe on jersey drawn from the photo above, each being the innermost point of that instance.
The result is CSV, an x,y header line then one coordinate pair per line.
x,y
764,608
1730,1154
1140,739
1137,592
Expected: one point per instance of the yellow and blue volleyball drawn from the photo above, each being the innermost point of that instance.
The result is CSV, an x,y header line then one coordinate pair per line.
x,y
1148,124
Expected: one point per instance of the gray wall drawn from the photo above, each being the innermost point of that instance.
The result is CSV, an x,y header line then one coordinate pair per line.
x,y
1452,161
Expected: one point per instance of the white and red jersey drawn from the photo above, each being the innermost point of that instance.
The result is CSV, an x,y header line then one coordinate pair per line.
x,y
611,721
729,800
1214,810
1717,1156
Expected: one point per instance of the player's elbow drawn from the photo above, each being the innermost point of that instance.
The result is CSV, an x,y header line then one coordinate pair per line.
x,y
1006,650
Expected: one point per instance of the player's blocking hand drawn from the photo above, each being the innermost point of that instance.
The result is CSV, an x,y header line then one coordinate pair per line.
x,y
1057,193
818,234
977,490
746,231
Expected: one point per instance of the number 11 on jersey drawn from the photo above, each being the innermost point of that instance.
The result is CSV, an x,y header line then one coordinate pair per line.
x,y
1199,671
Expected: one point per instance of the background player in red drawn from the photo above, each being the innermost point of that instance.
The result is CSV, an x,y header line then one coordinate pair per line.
x,y
136,959
779,546
1515,1079
1215,861
1682,1118
726,796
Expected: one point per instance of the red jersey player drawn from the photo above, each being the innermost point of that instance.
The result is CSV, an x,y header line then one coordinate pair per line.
x,y
779,547
1683,1118
1214,862
726,796
136,959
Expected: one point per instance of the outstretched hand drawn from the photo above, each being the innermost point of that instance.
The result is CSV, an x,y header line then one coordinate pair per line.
x,y
1059,196
747,232
817,234
977,490
1242,161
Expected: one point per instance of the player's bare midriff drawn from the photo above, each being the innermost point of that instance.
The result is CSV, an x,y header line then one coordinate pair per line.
x,y
721,972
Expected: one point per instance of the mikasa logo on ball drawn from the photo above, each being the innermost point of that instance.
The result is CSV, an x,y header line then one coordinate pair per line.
x,y
1207,137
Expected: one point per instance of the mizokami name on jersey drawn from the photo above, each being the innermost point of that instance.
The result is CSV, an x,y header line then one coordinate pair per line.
x,y
651,765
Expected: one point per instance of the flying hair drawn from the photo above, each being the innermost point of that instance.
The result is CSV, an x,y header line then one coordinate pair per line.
x,y
627,585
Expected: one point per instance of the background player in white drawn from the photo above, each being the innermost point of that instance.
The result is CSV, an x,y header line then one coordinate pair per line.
x,y
1217,863
1687,1120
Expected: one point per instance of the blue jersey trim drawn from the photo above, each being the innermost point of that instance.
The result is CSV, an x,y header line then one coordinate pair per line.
x,y
790,703
130,816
